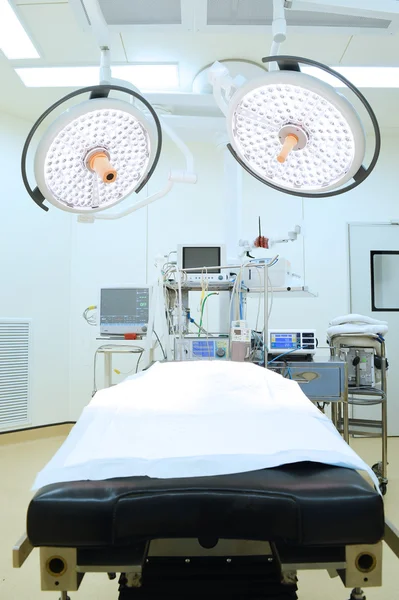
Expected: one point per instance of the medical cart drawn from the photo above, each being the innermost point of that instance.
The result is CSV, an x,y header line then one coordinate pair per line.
x,y
365,391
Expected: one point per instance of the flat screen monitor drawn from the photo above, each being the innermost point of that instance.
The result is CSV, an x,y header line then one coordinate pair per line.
x,y
197,261
124,310
197,256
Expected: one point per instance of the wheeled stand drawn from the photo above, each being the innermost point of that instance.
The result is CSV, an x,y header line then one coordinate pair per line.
x,y
357,594
360,395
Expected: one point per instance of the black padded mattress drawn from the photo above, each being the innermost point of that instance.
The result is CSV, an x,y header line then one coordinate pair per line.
x,y
306,504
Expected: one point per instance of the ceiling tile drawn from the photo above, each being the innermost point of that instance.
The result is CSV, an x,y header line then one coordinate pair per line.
x,y
22,2
144,12
60,38
373,51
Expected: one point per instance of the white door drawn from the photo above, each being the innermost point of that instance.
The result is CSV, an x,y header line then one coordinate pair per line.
x,y
374,286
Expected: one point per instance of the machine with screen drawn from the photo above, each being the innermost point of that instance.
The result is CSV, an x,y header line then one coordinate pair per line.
x,y
124,310
200,348
292,341
203,262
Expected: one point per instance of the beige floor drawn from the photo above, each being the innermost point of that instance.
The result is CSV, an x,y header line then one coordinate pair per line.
x,y
19,462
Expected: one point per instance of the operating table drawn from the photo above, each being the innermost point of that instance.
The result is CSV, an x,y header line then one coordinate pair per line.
x,y
231,536
239,535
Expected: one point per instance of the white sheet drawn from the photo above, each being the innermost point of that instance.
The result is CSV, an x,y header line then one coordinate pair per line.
x,y
195,419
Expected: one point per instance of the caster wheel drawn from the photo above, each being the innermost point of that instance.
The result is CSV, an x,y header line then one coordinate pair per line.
x,y
383,488
377,468
357,594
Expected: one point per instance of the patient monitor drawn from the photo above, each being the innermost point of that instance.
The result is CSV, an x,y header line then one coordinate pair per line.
x,y
124,309
197,261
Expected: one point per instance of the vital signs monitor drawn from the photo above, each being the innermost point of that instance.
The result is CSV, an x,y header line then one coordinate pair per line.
x,y
124,309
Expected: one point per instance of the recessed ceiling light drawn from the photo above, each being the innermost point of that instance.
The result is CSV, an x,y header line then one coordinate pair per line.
x,y
361,77
14,41
145,77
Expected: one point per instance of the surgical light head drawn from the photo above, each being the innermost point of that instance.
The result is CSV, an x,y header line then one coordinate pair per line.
x,y
297,134
295,131
94,154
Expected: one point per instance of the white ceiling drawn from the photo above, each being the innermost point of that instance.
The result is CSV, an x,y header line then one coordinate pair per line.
x,y
61,40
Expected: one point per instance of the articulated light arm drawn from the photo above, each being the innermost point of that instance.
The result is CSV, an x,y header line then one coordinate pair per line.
x,y
223,85
268,243
128,211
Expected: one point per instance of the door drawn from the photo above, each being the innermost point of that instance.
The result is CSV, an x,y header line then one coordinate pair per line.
x,y
374,288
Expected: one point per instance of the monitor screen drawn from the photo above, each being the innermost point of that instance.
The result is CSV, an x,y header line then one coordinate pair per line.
x,y
201,256
124,306
285,341
204,349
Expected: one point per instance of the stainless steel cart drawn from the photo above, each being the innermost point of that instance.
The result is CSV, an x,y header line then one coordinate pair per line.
x,y
359,395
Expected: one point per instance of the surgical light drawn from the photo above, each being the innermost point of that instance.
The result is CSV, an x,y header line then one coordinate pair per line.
x,y
297,134
94,154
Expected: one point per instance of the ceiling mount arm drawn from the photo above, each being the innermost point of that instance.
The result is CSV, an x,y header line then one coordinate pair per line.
x,y
223,85
96,21
279,30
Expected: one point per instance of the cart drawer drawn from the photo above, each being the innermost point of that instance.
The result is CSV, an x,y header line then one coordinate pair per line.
x,y
324,381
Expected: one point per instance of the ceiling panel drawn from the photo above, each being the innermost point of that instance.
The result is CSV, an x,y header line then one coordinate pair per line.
x,y
141,12
59,37
18,100
383,52
22,2
259,12
195,51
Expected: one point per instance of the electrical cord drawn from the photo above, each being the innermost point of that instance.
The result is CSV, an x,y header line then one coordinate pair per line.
x,y
90,319
202,309
281,355
160,345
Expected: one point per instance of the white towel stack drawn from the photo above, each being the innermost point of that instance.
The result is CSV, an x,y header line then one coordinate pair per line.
x,y
356,324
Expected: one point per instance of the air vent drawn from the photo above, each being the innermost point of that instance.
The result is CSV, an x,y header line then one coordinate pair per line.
x,y
141,12
259,12
15,341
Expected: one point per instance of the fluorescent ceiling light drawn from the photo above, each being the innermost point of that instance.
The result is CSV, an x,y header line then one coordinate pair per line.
x,y
145,77
14,41
361,77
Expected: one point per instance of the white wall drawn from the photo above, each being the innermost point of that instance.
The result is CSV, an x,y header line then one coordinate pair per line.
x,y
35,271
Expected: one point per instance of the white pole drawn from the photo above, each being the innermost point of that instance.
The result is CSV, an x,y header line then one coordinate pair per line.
x,y
107,368
232,226
266,313
279,30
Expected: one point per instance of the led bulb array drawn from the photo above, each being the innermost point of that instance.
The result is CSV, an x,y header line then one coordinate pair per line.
x,y
332,145
111,127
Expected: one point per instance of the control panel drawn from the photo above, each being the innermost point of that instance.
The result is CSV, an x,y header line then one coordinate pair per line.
x,y
201,348
292,341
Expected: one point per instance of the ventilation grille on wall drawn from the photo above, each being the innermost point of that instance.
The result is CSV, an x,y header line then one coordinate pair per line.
x,y
15,338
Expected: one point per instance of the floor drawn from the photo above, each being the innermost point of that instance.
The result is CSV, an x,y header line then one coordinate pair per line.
x,y
20,461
